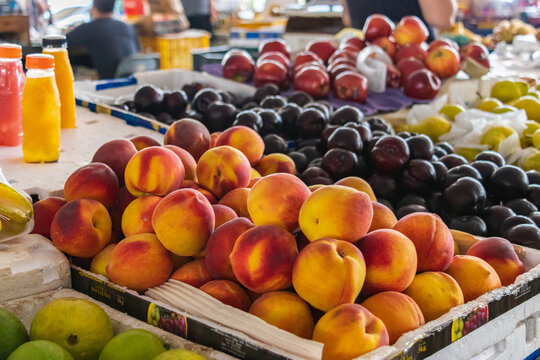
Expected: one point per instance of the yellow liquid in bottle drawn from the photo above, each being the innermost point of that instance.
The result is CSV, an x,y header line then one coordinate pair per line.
x,y
64,81
41,120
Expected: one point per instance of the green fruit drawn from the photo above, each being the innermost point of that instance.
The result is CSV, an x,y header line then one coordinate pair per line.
x,y
507,90
504,109
134,344
40,350
489,104
433,127
12,333
495,135
179,355
78,325
451,110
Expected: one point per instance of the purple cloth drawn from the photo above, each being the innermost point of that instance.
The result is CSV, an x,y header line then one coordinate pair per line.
x,y
389,101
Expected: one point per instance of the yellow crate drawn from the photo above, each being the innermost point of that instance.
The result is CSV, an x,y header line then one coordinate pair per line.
x,y
175,49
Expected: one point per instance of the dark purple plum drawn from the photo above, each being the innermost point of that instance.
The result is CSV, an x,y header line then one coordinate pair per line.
x,y
513,221
449,148
264,91
389,154
363,130
409,209
421,147
404,134
340,163
535,216
485,168
459,172
346,138
271,122
165,118
175,103
129,106
204,98
275,102
533,194
226,96
521,206
525,235
473,225
311,152
311,123
317,143
250,119
275,144
508,182
411,199
300,160
327,132
386,203
300,98
321,107
494,216
439,152
466,196
191,89
441,171
289,114
453,160
492,156
148,99
220,116
384,186
317,162
250,105
381,125
534,177
346,114
418,175
311,173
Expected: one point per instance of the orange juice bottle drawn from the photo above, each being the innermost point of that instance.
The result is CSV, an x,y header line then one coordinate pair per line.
x,y
56,45
41,111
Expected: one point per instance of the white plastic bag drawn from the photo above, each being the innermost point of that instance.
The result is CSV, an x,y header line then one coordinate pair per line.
x,y
371,63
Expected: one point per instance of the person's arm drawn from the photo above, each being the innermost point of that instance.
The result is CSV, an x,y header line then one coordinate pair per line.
x,y
439,13
346,17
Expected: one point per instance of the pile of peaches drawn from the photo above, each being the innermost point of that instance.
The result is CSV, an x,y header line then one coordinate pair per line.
x,y
327,263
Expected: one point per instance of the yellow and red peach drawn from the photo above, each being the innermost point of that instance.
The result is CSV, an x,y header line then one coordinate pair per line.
x,y
263,257
500,254
286,311
247,140
116,154
220,246
123,199
143,142
383,217
81,228
222,169
140,262
398,312
190,165
228,292
190,135
100,261
213,139
276,200
435,293
432,239
328,273
44,211
93,181
223,214
194,273
236,199
358,184
255,174
207,194
336,212
183,221
312,188
276,163
154,171
253,181
474,276
137,217
390,261
349,331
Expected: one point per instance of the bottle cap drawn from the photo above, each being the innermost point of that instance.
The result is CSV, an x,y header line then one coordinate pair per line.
x,y
10,51
54,41
39,61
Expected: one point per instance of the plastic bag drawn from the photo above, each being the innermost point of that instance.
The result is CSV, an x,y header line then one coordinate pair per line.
x,y
371,63
16,212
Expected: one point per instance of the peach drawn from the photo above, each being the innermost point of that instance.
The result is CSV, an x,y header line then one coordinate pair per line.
x,y
223,214
383,217
190,165
100,261
435,293
255,174
213,139
81,228
500,254
207,194
247,140
137,217
183,221
116,154
143,142
286,311
276,200
236,199
263,257
253,181
358,184
194,273
312,188
190,135
44,211
432,239
222,169
474,276
140,262
93,181
390,261
228,292
276,163
336,212
398,312
220,246
123,199
178,261
154,171
349,331
328,273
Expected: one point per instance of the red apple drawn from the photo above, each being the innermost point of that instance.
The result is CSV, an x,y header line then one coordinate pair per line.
x,y
377,26
475,59
410,50
439,42
271,71
387,44
306,56
393,77
313,81
311,63
353,41
336,70
323,48
350,49
275,55
422,84
340,61
443,61
351,85
411,30
275,45
238,65
339,54
408,66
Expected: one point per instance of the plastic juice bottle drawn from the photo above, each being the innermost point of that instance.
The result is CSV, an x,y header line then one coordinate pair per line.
x,y
56,45
40,111
11,87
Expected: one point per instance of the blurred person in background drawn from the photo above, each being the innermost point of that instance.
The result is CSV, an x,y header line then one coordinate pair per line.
x,y
437,14
200,13
106,40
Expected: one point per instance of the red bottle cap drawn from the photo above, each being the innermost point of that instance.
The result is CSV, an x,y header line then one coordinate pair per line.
x,y
10,51
39,61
